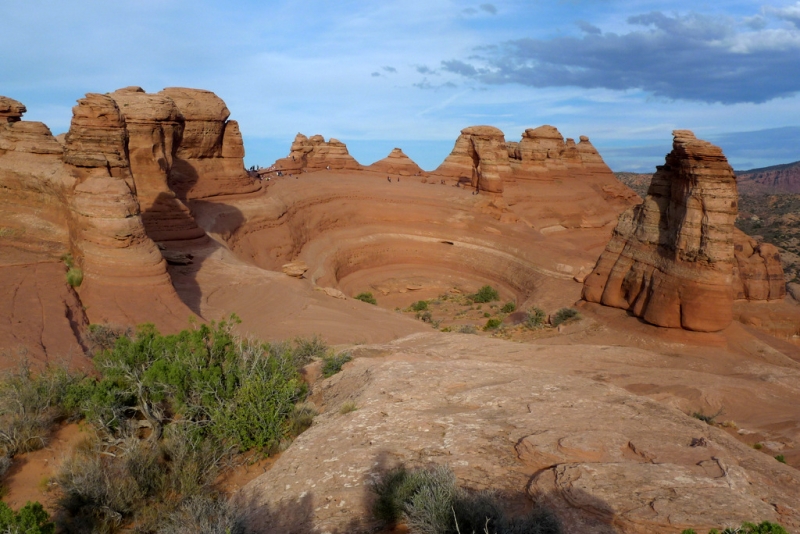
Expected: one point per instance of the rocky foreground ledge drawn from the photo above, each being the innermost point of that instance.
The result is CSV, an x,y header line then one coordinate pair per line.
x,y
604,459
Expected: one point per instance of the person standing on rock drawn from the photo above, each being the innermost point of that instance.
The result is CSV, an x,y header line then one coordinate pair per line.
x,y
389,179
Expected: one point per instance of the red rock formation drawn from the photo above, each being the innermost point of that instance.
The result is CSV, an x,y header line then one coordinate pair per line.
x,y
396,163
315,154
544,150
480,155
758,274
125,277
671,259
33,184
155,131
208,161
770,180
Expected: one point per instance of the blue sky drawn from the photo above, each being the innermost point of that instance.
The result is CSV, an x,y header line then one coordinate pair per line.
x,y
413,73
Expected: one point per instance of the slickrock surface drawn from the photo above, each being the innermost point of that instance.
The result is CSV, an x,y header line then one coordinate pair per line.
x,y
155,131
208,161
671,259
125,277
479,158
396,163
315,154
505,417
758,274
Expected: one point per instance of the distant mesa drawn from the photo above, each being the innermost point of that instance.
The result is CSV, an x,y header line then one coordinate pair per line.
x,y
770,180
398,163
672,260
315,154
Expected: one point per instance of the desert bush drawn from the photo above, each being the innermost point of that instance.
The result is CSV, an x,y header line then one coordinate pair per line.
x,y
300,419
485,294
425,317
467,329
420,305
204,514
563,315
307,349
366,297
30,519
5,465
708,419
508,307
781,458
764,527
333,364
74,277
103,336
347,407
29,405
536,318
492,324
431,502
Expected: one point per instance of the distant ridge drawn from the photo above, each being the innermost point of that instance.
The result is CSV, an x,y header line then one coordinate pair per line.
x,y
784,178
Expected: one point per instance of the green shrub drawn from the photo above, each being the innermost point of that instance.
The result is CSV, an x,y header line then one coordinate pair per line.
x,y
467,329
485,294
308,349
508,307
366,297
536,318
492,324
333,364
758,446
74,277
563,315
420,305
747,528
68,260
781,458
431,502
30,519
347,407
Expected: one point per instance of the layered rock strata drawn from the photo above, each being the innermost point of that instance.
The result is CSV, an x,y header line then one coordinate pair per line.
x,y
155,131
758,273
396,163
479,157
125,277
315,154
208,161
33,184
543,149
671,259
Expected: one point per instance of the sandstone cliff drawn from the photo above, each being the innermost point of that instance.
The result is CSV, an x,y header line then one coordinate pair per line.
x,y
125,277
671,259
208,161
155,132
479,157
396,163
315,154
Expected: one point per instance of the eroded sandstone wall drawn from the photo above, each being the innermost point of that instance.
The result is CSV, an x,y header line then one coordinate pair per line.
x,y
315,154
671,259
208,162
479,156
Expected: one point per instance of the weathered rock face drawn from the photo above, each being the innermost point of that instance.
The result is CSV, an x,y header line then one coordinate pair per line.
x,y
605,460
480,155
315,154
671,259
208,161
33,184
125,277
543,150
155,130
10,110
396,163
758,274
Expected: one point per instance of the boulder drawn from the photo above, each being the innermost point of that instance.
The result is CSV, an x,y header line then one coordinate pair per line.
x,y
396,163
155,132
295,268
479,157
208,161
11,110
671,259
315,154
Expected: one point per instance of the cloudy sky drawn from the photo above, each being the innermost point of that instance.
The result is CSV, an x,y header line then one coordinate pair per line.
x,y
413,73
